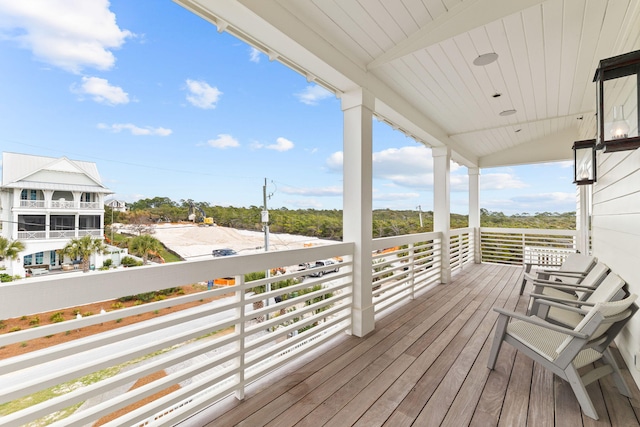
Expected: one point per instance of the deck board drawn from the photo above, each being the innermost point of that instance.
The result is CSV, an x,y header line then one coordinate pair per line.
x,y
425,365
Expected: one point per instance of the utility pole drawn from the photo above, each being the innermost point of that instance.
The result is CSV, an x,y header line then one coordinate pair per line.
x,y
265,228
420,213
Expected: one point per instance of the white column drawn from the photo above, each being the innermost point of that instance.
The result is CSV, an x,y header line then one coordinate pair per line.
x,y
442,205
474,210
583,218
357,107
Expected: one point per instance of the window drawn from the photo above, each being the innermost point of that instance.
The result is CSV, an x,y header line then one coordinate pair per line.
x,y
39,257
29,195
31,222
62,222
89,222
28,259
86,197
52,257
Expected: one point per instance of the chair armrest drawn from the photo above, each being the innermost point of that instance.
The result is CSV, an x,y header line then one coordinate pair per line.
x,y
564,287
564,273
562,305
539,322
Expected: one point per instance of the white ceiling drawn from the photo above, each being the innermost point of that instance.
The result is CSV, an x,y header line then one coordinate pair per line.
x,y
416,57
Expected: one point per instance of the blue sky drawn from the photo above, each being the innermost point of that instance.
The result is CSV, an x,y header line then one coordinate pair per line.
x,y
167,106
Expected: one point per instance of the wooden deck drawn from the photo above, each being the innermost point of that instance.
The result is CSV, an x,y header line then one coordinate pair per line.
x,y
425,365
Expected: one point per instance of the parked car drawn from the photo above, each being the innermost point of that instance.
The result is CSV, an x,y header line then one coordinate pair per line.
x,y
223,252
331,265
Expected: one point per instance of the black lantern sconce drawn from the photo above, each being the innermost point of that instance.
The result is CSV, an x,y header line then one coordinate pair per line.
x,y
618,86
584,162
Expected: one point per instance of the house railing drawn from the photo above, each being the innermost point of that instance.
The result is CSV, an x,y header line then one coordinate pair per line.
x,y
58,234
523,245
89,205
233,336
461,248
402,265
32,203
62,204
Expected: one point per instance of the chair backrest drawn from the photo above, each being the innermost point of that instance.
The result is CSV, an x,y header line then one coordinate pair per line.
x,y
611,313
578,262
575,263
593,279
608,289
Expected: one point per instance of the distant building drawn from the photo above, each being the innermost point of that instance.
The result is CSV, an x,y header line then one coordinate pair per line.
x,y
116,205
45,202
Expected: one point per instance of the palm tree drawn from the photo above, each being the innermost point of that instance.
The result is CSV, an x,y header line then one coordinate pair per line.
x,y
10,248
83,248
144,245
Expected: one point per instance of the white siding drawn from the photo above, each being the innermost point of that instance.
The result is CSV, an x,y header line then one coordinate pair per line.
x,y
616,231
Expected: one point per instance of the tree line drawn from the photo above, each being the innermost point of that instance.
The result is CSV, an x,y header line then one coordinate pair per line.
x,y
326,224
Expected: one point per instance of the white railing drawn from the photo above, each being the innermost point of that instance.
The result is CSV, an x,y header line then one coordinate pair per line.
x,y
32,203
461,249
523,245
32,235
89,205
63,204
94,233
403,265
62,234
207,352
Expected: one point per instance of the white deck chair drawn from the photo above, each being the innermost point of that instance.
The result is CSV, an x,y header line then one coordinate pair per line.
x,y
580,291
564,350
570,311
574,268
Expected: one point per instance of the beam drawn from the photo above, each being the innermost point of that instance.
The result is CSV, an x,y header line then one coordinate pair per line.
x,y
460,19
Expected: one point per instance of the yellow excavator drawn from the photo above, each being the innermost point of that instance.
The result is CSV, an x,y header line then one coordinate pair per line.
x,y
196,214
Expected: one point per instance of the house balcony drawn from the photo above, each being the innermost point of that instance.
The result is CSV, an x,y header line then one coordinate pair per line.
x,y
234,359
59,204
57,234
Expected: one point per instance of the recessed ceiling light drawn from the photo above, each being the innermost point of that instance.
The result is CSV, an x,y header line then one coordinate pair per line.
x,y
485,59
507,112
496,95
518,130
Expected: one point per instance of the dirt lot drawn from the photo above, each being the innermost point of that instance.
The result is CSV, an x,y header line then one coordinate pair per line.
x,y
192,241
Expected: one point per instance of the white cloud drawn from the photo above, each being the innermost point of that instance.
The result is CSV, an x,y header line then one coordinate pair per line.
x,y
309,192
311,95
388,197
254,55
282,144
135,130
69,34
202,95
101,91
223,141
500,181
532,203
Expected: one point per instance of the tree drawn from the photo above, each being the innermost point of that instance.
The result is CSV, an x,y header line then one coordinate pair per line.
x,y
83,248
144,245
10,248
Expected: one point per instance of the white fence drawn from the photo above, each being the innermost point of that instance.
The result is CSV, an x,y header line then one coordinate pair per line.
x,y
206,352
522,245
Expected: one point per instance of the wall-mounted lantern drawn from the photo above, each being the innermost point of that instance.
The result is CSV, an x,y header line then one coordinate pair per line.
x,y
617,93
584,162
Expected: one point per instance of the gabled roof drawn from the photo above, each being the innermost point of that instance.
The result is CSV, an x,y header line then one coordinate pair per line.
x,y
47,172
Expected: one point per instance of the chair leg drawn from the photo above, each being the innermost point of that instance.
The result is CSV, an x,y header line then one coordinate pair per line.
x,y
618,379
573,377
501,328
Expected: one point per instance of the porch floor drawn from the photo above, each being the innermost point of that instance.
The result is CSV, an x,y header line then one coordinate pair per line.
x,y
425,365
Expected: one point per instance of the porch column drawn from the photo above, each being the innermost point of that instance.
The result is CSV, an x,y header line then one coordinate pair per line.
x,y
357,107
442,205
474,211
583,218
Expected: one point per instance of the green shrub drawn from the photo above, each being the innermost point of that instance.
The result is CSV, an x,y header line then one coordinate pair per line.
x,y
57,317
4,277
107,263
2,324
130,262
116,305
15,329
35,320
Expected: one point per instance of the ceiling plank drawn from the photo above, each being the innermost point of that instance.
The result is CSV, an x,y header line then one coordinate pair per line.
x,y
461,18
